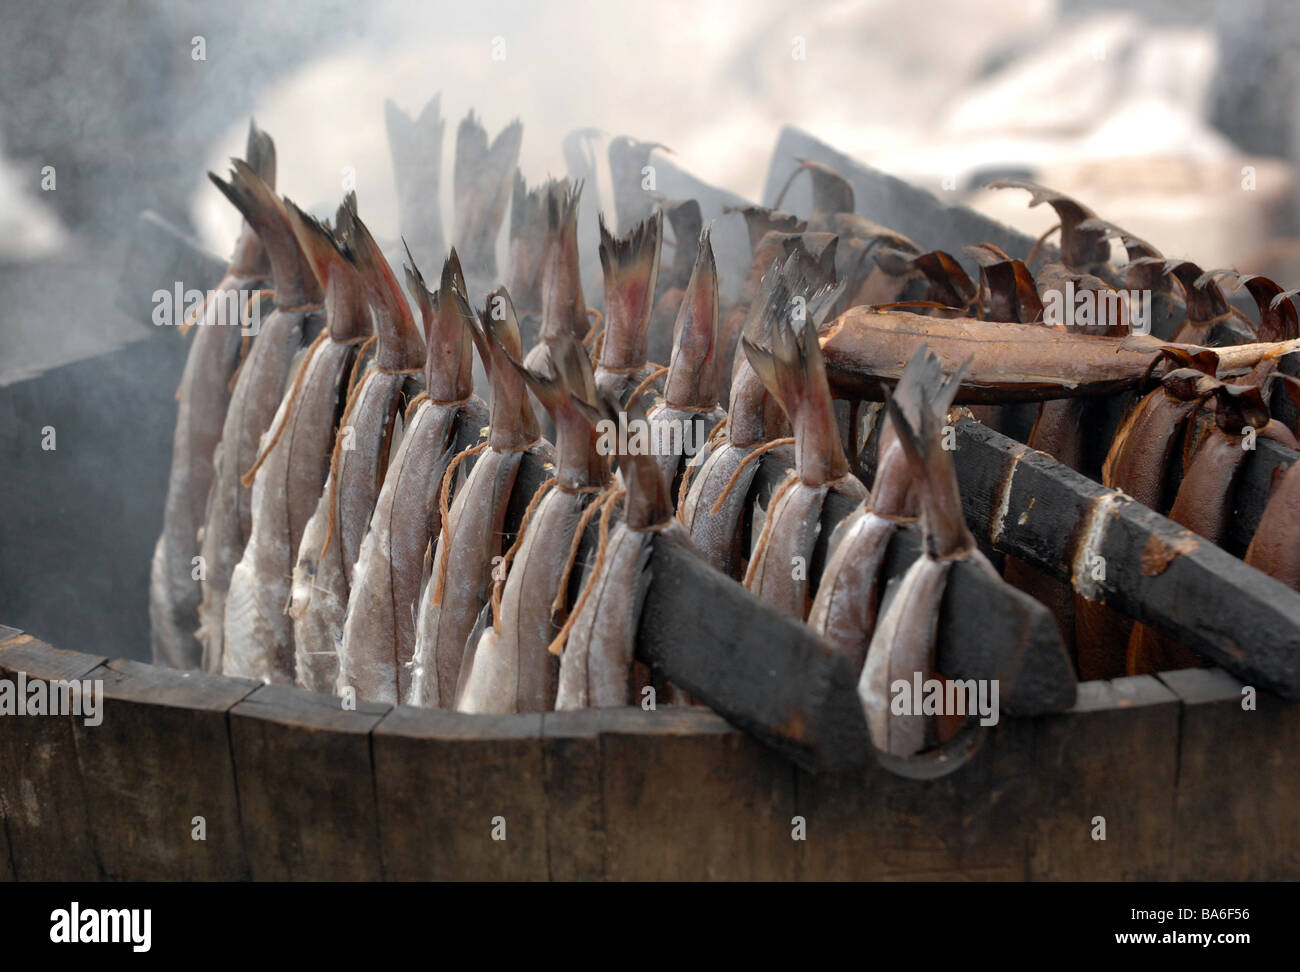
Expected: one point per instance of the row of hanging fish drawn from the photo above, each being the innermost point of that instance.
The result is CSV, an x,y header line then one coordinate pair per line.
x,y
357,511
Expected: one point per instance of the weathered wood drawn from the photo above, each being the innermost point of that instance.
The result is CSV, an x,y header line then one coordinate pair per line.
x,y
7,865
445,781
160,759
575,807
1030,506
767,673
41,799
689,798
1112,756
969,825
1238,792
306,785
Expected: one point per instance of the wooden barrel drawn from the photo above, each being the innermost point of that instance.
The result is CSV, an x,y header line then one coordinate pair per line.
x,y
281,783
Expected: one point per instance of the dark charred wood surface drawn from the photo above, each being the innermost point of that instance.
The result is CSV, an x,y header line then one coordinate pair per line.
x,y
1191,786
1030,506
41,796
1110,761
160,759
297,757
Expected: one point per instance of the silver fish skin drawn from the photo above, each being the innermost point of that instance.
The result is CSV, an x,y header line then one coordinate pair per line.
x,y
596,666
379,630
848,595
323,578
718,535
253,405
782,559
520,643
902,645
259,631
472,542
202,400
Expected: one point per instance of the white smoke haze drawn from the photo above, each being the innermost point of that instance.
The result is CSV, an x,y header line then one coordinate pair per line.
x,y
1103,104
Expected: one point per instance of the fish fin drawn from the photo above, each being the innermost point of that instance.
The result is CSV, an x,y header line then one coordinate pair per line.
x,y
295,280
692,371
921,438
400,347
259,153
631,271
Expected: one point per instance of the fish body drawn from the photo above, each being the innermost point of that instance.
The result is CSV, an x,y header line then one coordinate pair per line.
x,y
782,347
1275,548
902,645
203,396
325,572
1008,361
596,666
526,626
258,630
294,464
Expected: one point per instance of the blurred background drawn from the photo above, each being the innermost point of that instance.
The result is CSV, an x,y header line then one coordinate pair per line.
x,y
1177,119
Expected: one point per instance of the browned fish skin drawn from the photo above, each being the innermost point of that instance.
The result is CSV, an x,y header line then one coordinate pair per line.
x,y
1009,362
256,397
1275,548
564,309
687,224
1204,504
203,396
472,537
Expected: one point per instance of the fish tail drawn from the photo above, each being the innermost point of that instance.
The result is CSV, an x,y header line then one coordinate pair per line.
x,y
400,347
295,281
631,270
692,378
513,424
922,439
782,345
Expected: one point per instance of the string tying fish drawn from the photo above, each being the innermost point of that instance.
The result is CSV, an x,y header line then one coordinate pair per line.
x,y
499,578
290,400
556,646
354,387
763,537
735,476
595,328
444,505
561,594
658,372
